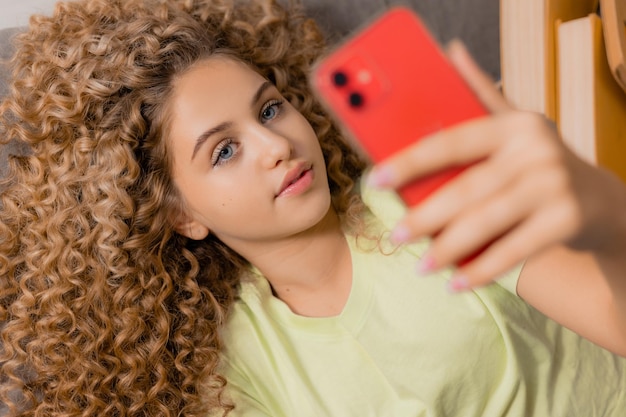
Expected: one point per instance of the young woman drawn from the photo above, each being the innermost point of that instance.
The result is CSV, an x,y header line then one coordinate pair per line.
x,y
190,234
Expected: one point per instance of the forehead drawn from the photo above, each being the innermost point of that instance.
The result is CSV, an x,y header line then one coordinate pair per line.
x,y
211,85
215,74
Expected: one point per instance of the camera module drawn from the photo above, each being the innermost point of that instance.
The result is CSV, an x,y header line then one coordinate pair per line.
x,y
356,99
340,78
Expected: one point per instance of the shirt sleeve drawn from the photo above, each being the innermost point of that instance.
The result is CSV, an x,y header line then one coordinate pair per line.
x,y
509,279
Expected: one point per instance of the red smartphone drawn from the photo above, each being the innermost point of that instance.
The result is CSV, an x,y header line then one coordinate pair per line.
x,y
390,85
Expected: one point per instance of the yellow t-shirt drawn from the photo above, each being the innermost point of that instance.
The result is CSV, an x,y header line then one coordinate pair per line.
x,y
405,347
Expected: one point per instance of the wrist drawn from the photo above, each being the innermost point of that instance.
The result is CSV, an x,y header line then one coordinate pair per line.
x,y
612,229
618,243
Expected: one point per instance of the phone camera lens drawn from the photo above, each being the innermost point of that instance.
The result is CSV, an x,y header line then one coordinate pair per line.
x,y
340,78
355,99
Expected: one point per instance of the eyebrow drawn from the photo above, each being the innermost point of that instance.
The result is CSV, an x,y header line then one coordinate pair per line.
x,y
226,125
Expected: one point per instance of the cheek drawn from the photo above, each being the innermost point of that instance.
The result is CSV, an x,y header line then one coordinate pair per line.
x,y
228,204
221,214
309,138
212,201
230,200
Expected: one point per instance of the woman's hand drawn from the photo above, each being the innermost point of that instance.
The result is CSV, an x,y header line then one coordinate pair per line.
x,y
525,192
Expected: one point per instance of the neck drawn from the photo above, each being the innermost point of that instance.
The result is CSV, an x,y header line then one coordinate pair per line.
x,y
312,271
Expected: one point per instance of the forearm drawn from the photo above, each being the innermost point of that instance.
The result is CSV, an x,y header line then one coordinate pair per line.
x,y
583,285
611,256
571,288
613,268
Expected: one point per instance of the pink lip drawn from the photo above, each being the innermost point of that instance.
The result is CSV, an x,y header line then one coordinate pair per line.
x,y
296,181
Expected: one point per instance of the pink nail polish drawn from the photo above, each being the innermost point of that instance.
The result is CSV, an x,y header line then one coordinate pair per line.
x,y
400,234
458,283
426,264
380,177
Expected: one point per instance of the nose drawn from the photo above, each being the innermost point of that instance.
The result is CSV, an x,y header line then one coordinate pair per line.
x,y
274,147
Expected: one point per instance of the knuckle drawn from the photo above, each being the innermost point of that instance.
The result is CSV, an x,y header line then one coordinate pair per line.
x,y
558,179
571,214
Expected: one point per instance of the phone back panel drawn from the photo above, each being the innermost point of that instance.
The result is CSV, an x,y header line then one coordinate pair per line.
x,y
390,85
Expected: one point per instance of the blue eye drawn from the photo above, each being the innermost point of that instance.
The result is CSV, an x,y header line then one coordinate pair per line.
x,y
269,113
271,110
224,152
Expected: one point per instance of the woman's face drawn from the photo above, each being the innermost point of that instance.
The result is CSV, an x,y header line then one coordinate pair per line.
x,y
248,165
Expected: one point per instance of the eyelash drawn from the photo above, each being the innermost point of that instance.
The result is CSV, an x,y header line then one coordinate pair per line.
x,y
216,158
272,103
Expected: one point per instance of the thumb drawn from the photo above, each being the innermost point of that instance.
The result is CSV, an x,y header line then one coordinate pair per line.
x,y
481,83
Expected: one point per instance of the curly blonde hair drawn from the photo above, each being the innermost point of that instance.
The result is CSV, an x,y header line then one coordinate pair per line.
x,y
104,308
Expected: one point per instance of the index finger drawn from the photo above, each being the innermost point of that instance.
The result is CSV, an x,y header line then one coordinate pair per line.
x,y
478,80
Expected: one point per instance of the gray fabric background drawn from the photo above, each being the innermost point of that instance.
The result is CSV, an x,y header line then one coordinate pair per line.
x,y
476,22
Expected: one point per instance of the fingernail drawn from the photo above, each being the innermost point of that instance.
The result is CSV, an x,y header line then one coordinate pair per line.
x,y
400,234
458,283
426,264
456,43
380,177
